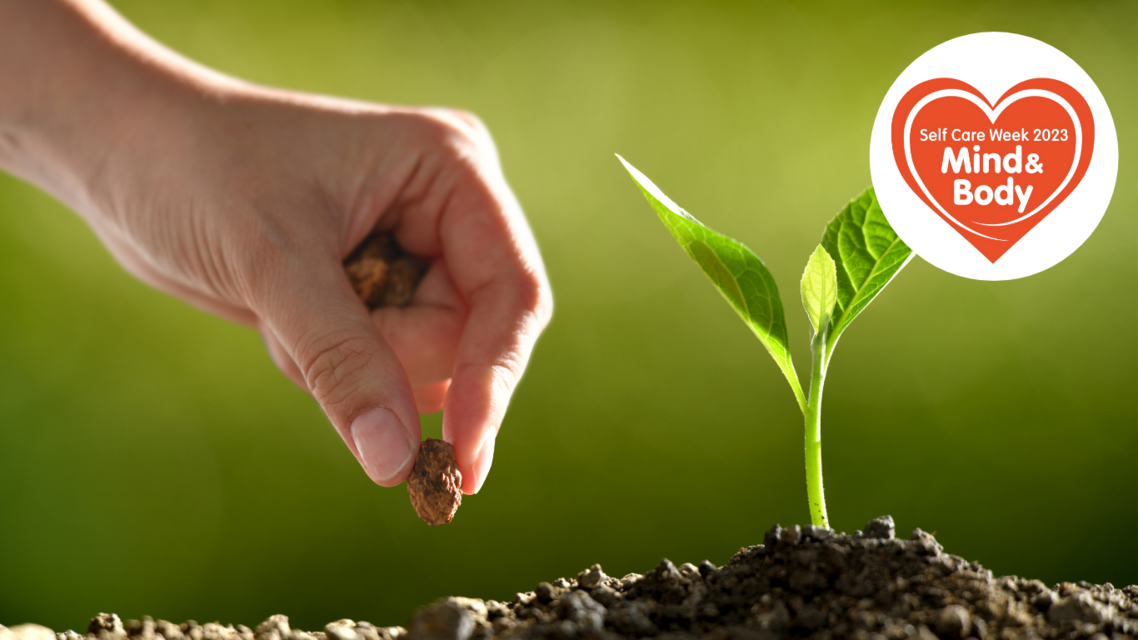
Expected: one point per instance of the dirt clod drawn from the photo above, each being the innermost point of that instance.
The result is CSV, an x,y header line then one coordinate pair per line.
x,y
435,483
142,629
791,535
880,528
382,274
954,621
340,631
444,620
108,622
544,592
592,577
26,632
274,628
705,568
817,533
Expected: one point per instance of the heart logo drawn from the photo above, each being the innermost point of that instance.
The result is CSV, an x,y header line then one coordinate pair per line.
x,y
992,171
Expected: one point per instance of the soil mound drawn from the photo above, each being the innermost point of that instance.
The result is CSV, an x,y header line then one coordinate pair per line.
x,y
802,582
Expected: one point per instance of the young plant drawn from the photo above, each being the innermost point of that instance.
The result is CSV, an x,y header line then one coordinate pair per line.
x,y
859,254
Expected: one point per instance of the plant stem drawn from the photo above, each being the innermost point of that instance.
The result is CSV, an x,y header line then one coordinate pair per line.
x,y
795,385
814,432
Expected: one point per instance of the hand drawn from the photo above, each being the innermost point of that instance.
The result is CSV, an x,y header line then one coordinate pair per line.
x,y
244,201
253,214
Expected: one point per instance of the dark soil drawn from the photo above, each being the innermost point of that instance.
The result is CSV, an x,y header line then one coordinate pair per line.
x,y
800,583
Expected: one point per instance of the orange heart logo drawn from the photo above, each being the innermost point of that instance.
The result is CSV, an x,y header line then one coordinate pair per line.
x,y
992,171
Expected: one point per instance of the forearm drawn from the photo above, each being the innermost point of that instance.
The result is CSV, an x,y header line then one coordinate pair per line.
x,y
79,83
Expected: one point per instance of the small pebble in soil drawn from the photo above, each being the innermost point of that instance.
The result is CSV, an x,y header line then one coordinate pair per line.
x,y
799,584
435,483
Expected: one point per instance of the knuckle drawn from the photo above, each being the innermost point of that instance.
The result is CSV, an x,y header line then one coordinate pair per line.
x,y
502,376
544,309
471,120
537,297
463,132
331,371
505,376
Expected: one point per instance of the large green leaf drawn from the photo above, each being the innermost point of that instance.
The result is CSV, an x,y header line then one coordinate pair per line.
x,y
867,253
735,270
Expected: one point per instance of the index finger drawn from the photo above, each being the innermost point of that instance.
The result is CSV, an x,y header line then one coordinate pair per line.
x,y
498,270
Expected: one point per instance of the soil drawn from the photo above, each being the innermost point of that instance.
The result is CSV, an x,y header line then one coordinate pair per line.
x,y
802,582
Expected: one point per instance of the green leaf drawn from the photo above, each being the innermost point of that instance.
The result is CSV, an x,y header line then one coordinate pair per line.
x,y
819,288
735,270
867,254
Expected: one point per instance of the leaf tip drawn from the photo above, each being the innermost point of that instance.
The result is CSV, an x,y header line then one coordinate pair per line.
x,y
820,288
636,175
652,191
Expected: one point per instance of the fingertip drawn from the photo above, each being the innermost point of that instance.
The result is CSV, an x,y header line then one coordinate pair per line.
x,y
480,468
383,446
475,405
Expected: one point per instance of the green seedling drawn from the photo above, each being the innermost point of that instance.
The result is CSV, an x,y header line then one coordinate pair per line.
x,y
859,254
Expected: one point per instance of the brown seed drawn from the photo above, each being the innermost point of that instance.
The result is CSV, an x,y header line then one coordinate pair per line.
x,y
435,483
381,274
402,278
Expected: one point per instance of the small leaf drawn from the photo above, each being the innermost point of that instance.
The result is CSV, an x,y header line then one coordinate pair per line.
x,y
735,270
819,288
867,254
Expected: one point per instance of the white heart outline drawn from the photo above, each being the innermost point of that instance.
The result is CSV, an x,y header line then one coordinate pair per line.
x,y
993,115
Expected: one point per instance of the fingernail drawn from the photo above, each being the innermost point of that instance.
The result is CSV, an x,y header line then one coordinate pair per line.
x,y
382,443
482,464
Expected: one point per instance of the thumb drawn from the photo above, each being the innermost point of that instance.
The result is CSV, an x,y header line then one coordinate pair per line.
x,y
314,314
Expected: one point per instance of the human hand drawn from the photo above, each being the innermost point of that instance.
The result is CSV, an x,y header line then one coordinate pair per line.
x,y
244,201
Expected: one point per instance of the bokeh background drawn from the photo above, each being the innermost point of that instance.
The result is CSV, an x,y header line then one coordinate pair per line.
x,y
152,460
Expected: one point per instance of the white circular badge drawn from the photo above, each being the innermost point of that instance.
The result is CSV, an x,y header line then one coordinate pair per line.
x,y
994,156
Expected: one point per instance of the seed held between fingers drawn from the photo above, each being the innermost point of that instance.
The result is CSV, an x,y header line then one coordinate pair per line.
x,y
435,484
382,274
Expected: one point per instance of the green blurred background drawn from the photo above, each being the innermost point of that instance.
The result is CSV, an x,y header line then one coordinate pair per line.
x,y
152,460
